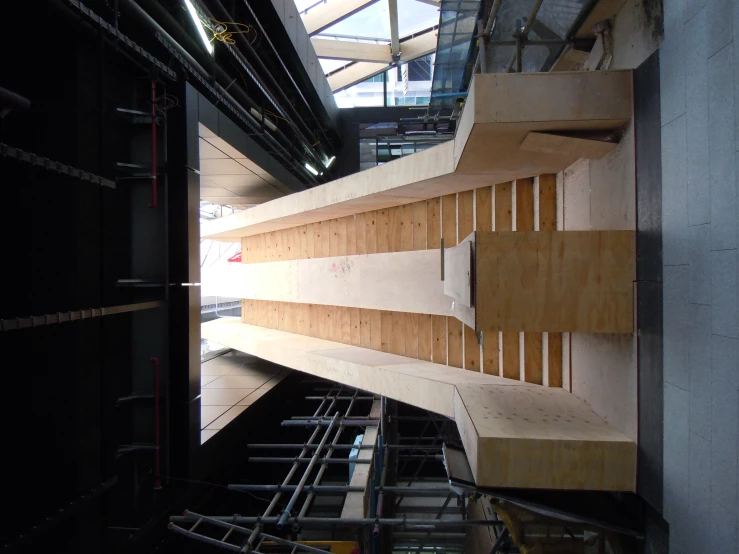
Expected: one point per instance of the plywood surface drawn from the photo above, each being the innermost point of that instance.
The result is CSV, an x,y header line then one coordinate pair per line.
x,y
501,110
555,281
537,436
398,281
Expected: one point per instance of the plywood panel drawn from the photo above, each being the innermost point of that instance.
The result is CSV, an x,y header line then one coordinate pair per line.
x,y
400,281
433,223
411,334
471,350
364,329
501,110
454,342
397,344
551,143
490,353
342,236
382,222
503,207
376,329
361,233
394,229
547,202
351,235
425,342
449,219
514,434
578,281
333,248
386,331
554,348
532,358
439,339
484,209
465,214
419,225
524,205
511,355
406,227
310,240
371,224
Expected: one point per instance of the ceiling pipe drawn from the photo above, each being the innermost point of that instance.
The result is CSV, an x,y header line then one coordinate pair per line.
x,y
304,132
136,10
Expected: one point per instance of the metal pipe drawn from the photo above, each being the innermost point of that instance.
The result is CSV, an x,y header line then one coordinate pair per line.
x,y
438,516
491,18
324,422
347,522
291,503
381,493
271,459
325,489
342,398
523,34
16,100
153,203
157,437
293,469
309,446
333,489
324,465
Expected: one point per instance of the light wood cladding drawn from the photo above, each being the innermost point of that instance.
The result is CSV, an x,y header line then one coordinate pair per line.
x,y
514,434
573,281
419,226
501,109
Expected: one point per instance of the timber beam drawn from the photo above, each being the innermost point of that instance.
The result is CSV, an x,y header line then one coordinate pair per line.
x,y
514,434
501,110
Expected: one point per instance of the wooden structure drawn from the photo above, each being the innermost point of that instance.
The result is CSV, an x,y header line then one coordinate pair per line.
x,y
501,110
515,434
526,281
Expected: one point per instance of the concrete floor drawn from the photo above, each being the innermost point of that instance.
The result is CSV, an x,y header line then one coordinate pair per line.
x,y
700,128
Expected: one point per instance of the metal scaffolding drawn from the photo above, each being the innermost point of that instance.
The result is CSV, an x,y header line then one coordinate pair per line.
x,y
384,522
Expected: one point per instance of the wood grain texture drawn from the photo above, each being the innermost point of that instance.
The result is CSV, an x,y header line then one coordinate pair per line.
x,y
471,350
514,434
524,204
449,219
490,353
439,339
406,228
411,330
533,369
500,111
554,348
484,209
547,202
419,225
364,330
382,228
551,143
371,225
386,331
455,355
560,281
425,343
376,335
511,355
503,207
465,214
361,226
397,339
394,229
433,223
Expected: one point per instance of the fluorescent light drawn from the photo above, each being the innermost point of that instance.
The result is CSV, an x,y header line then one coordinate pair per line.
x,y
312,169
199,25
330,161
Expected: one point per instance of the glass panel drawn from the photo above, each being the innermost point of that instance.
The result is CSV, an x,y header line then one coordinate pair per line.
x,y
371,22
410,82
331,65
414,16
366,93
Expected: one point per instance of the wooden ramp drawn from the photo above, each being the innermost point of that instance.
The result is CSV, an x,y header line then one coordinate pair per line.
x,y
490,146
515,434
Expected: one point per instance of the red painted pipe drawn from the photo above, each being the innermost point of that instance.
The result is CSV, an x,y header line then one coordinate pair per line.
x,y
157,461
153,203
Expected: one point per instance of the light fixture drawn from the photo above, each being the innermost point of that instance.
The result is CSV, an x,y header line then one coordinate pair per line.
x,y
199,25
330,161
312,169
